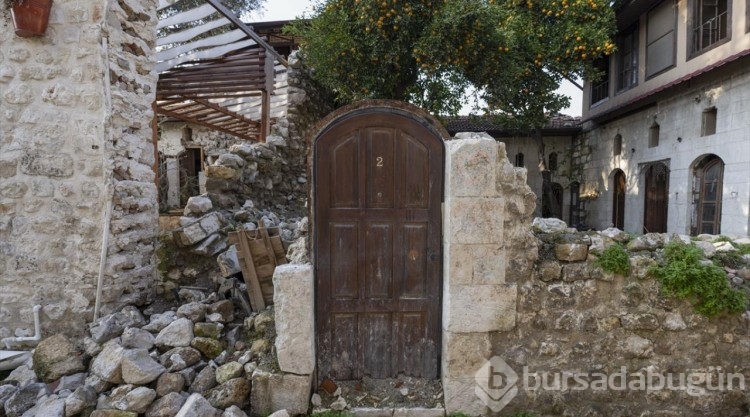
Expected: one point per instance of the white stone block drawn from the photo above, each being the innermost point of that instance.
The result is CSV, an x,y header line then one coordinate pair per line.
x,y
470,166
295,323
475,264
479,308
464,354
474,220
273,392
460,397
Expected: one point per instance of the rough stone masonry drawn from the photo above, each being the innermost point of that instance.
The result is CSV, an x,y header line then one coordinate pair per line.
x,y
75,134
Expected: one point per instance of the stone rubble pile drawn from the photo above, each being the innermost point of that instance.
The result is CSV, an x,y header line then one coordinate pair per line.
x,y
204,232
260,170
197,360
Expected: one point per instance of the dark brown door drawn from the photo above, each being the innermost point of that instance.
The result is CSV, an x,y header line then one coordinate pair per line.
x,y
709,205
618,203
378,191
657,198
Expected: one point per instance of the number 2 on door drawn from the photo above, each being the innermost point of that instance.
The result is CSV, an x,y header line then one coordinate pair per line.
x,y
379,161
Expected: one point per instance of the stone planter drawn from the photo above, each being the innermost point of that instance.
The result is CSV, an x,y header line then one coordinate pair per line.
x,y
30,17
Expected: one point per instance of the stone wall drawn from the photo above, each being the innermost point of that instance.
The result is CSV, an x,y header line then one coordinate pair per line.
x,y
76,134
574,318
532,306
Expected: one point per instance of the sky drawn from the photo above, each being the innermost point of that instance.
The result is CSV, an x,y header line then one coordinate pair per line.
x,y
290,9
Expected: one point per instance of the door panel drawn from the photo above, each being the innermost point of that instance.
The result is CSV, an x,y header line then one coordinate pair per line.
x,y
709,203
378,189
657,198
379,260
345,162
380,169
417,174
414,283
618,205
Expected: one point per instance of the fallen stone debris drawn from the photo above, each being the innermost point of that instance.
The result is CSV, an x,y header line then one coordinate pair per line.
x,y
199,359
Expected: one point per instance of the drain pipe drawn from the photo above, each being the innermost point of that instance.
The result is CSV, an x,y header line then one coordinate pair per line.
x,y
110,187
102,258
37,332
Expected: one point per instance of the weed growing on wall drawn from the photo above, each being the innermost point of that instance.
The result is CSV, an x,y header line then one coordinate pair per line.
x,y
615,259
683,275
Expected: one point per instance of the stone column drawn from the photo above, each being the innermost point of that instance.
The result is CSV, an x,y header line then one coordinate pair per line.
x,y
294,306
477,300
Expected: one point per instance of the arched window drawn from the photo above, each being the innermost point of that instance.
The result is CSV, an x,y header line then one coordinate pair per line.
x,y
708,181
617,145
553,162
618,199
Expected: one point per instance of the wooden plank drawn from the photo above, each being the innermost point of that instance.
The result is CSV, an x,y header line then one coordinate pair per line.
x,y
278,250
267,244
155,139
248,271
265,115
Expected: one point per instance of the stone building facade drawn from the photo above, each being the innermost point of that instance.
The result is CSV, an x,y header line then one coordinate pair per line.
x,y
559,136
666,142
76,164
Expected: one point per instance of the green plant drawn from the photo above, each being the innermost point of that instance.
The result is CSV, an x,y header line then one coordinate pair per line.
x,y
730,259
743,248
683,275
614,259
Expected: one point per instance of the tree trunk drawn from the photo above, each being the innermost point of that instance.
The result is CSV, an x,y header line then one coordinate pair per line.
x,y
550,206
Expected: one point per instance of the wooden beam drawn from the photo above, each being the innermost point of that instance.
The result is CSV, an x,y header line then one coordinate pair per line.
x,y
155,139
265,115
208,125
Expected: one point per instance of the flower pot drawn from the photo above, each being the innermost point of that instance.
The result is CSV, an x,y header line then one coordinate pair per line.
x,y
30,17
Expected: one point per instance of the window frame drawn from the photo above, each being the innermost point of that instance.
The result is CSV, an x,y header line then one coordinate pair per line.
x,y
617,145
694,6
709,121
603,84
632,31
653,135
674,46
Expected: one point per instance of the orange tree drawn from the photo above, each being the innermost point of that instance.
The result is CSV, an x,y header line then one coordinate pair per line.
x,y
512,54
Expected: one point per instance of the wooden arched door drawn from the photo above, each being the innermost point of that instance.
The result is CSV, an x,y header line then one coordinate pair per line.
x,y
378,176
657,198
710,176
618,199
